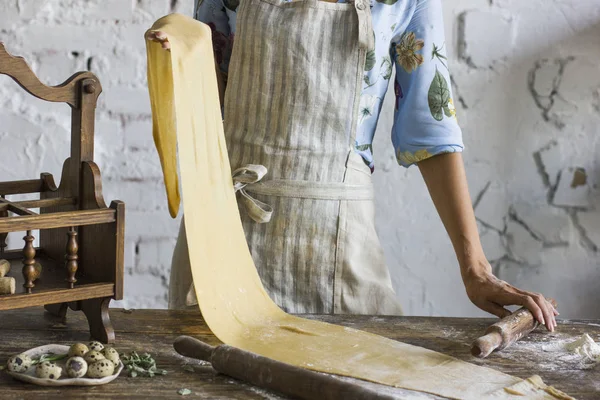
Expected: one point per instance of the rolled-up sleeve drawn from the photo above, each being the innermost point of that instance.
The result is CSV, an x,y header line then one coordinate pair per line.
x,y
425,122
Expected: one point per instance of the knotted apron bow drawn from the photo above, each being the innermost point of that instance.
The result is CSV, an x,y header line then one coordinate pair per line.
x,y
247,175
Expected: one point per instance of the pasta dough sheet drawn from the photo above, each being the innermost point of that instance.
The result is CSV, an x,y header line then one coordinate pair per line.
x,y
187,116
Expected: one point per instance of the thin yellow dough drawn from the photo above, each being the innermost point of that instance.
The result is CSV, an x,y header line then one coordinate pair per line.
x,y
186,110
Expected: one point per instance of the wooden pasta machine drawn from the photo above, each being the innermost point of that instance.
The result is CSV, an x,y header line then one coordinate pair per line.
x,y
81,239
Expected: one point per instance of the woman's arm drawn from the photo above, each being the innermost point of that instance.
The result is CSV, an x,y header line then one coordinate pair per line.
x,y
445,178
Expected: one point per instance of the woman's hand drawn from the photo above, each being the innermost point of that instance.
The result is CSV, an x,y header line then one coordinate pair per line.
x,y
161,37
492,294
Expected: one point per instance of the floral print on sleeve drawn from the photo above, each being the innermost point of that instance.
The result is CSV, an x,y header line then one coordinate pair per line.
x,y
425,121
407,52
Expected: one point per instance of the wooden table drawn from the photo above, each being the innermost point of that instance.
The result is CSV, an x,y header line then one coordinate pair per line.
x,y
155,330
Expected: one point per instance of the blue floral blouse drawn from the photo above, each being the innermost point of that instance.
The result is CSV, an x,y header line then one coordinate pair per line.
x,y
409,37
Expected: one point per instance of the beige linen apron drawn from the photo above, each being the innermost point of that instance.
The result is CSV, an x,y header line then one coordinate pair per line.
x,y
305,196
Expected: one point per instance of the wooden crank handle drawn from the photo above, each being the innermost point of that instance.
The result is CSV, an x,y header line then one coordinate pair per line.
x,y
505,332
193,348
263,372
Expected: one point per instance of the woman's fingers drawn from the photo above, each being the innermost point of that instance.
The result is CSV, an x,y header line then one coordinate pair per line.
x,y
538,305
546,308
161,37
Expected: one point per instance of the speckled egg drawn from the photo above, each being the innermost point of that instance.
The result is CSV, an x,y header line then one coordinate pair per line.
x,y
78,350
76,367
112,355
101,369
96,346
92,356
48,370
19,363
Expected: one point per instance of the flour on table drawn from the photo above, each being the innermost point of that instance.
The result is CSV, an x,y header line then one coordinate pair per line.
x,y
584,348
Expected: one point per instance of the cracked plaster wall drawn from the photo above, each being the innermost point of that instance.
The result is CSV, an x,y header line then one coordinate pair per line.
x,y
526,78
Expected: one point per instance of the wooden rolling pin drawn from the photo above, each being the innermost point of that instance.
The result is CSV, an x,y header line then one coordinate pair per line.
x,y
505,332
266,373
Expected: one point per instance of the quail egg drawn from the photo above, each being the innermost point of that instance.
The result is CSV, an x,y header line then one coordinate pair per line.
x,y
76,367
112,355
97,346
101,369
48,370
78,350
19,363
92,356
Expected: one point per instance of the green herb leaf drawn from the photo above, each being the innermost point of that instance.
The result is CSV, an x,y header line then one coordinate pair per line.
x,y
51,357
143,365
184,392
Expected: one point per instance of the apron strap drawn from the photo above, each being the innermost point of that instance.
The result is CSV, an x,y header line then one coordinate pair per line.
x,y
366,38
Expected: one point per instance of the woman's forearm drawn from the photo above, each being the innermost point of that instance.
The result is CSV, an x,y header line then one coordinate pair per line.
x,y
446,181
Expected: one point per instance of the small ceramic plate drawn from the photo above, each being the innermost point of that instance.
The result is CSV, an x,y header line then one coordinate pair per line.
x,y
29,375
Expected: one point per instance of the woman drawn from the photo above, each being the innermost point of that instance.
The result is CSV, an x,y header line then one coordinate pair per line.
x,y
305,83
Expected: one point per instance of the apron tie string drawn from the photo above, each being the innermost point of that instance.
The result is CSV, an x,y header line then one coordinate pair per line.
x,y
247,175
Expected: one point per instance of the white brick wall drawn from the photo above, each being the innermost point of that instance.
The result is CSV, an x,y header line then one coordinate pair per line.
x,y
527,85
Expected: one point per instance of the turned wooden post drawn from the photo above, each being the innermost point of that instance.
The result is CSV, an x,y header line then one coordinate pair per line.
x,y
71,257
29,271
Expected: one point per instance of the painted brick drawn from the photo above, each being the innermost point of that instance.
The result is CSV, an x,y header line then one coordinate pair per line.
x,y
493,245
135,165
66,38
483,50
553,160
144,195
150,225
155,253
144,291
522,246
567,193
148,10
138,135
9,12
590,221
130,255
548,223
76,11
125,100
493,207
